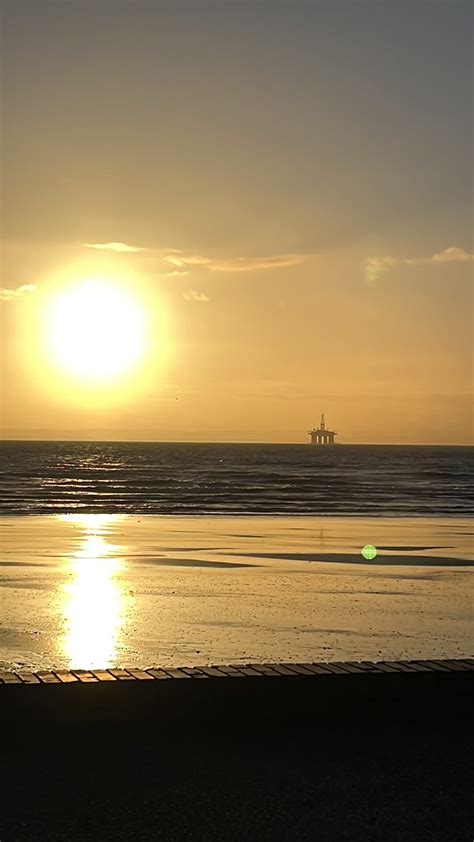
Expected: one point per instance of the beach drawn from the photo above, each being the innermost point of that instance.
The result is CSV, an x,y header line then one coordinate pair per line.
x,y
236,456
97,591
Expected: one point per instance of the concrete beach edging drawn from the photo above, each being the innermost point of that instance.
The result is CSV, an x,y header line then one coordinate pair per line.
x,y
276,694
290,669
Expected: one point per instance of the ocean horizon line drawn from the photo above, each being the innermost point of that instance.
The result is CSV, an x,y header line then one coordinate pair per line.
x,y
232,442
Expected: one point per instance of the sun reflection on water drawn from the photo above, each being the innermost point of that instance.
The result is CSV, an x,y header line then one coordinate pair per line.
x,y
94,606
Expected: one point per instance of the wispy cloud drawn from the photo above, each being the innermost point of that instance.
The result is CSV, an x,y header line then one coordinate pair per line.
x,y
179,259
377,266
194,295
117,247
236,264
7,294
183,262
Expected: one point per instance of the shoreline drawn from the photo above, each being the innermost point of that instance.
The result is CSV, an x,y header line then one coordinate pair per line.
x,y
113,511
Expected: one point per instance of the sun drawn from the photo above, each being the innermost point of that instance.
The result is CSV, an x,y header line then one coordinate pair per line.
x,y
95,331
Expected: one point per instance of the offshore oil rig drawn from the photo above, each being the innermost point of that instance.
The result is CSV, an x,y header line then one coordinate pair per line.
x,y
322,435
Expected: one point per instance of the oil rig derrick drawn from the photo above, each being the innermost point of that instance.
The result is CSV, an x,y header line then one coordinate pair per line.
x,y
322,435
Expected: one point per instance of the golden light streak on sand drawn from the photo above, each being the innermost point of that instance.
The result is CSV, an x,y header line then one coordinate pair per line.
x,y
94,606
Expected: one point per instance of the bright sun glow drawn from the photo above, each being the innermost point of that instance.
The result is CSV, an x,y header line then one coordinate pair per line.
x,y
95,331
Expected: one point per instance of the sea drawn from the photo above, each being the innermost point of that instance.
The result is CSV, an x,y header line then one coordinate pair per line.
x,y
235,479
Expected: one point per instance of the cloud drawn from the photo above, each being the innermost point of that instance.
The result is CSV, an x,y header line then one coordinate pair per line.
x,y
183,261
243,264
452,255
193,260
117,247
7,294
377,266
194,295
236,264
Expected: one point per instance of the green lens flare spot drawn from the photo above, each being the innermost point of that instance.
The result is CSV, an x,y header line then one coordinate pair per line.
x,y
369,552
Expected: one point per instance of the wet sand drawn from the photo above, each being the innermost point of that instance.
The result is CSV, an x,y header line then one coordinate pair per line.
x,y
95,591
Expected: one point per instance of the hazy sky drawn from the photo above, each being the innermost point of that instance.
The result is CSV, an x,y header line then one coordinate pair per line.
x,y
293,183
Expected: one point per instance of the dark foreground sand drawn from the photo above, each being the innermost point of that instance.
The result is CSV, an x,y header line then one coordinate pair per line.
x,y
382,784
347,770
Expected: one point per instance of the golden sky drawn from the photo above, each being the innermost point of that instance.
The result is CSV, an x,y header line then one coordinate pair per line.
x,y
243,214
